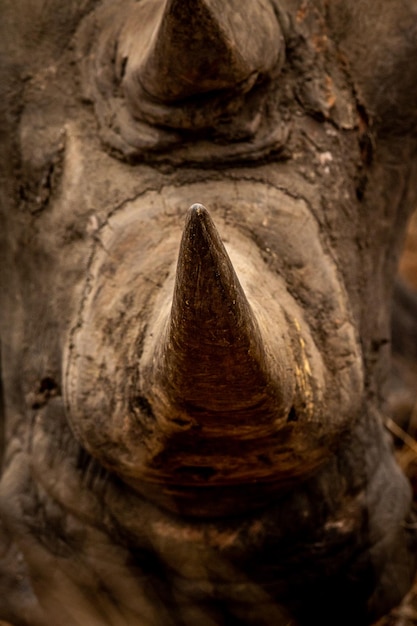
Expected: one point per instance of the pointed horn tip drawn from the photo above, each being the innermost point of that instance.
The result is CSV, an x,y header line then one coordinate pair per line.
x,y
198,218
198,210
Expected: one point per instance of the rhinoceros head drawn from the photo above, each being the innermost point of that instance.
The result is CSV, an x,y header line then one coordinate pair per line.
x,y
203,205
210,383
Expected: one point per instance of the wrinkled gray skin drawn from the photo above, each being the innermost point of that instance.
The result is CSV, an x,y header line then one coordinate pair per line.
x,y
83,540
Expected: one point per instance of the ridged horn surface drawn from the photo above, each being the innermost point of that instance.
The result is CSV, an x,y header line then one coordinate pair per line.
x,y
213,365
208,45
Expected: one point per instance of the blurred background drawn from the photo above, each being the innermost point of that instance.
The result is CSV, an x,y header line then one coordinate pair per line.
x,y
402,409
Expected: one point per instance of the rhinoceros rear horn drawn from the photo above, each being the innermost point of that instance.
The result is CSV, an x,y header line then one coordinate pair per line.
x,y
213,365
202,46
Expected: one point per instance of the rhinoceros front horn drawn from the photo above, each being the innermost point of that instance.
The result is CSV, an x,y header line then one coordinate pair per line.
x,y
199,46
219,389
203,391
212,365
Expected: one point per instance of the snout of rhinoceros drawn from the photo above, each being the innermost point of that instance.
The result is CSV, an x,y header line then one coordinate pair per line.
x,y
202,361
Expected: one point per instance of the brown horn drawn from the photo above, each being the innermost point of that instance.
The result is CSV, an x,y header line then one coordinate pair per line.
x,y
198,46
220,392
213,366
